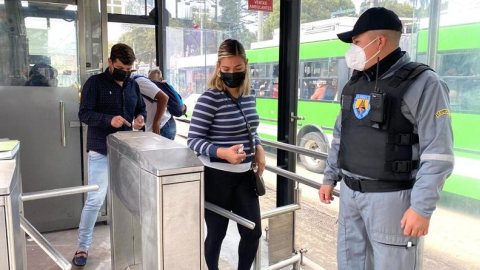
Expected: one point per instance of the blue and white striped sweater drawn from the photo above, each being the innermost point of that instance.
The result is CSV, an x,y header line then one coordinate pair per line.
x,y
217,122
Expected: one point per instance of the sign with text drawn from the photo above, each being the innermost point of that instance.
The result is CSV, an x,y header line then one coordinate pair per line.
x,y
260,5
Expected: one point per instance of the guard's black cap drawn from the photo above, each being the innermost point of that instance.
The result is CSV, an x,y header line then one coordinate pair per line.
x,y
377,18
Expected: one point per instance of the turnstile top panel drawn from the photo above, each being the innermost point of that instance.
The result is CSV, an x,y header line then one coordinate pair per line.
x,y
154,153
7,171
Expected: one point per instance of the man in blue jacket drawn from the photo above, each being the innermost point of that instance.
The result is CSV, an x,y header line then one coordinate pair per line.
x,y
111,102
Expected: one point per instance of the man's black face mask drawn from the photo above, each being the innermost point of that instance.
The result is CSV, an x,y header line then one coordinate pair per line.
x,y
120,75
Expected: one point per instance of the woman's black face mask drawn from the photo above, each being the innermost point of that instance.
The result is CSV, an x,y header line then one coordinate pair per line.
x,y
233,80
120,75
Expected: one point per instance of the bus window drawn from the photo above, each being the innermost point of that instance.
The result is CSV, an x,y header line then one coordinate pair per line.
x,y
461,73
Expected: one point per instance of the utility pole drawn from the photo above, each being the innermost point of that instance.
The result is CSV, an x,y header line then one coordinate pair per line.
x,y
176,8
201,33
260,26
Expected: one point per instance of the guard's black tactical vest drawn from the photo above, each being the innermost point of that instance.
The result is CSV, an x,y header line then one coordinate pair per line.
x,y
383,152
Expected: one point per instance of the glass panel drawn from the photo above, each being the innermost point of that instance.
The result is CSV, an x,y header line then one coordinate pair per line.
x,y
458,61
321,69
93,39
196,29
39,44
140,37
193,35
130,7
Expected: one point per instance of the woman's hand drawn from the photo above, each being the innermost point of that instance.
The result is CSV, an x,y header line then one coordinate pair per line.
x,y
231,154
260,159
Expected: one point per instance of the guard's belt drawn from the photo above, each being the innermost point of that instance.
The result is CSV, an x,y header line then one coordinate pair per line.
x,y
376,185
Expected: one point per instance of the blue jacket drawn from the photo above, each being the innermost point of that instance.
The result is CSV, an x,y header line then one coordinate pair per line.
x,y
103,99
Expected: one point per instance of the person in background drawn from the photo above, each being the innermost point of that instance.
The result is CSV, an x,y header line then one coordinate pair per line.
x,y
156,105
42,74
392,149
219,134
175,105
319,91
111,101
331,91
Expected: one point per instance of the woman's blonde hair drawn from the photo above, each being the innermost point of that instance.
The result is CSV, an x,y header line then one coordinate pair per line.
x,y
229,48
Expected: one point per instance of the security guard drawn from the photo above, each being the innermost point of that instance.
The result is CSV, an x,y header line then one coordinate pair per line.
x,y
392,147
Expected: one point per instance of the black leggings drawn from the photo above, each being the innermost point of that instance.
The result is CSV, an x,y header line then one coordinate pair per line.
x,y
235,192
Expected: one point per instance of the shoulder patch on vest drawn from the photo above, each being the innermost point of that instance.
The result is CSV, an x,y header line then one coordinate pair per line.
x,y
442,112
361,105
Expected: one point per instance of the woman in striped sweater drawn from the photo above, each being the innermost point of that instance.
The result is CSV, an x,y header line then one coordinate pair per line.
x,y
218,133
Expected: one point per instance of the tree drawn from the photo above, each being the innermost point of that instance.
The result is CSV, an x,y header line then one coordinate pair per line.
x,y
315,10
272,22
404,9
142,40
312,10
234,18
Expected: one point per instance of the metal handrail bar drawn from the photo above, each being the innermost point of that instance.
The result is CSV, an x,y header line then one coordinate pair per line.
x,y
283,146
44,244
328,128
223,212
294,259
280,210
268,120
298,178
57,192
470,151
295,149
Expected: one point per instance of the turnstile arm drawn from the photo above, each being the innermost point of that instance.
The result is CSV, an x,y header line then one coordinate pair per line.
x,y
43,243
223,212
57,192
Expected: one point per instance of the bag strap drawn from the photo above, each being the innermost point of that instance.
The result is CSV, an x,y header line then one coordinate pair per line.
x,y
250,135
149,98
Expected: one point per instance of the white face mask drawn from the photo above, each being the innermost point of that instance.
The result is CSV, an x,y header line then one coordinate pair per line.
x,y
356,58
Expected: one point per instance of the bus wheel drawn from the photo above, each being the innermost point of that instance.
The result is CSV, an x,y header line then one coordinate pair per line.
x,y
313,141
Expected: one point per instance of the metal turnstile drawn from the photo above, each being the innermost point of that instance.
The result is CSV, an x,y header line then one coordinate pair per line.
x,y
156,203
12,239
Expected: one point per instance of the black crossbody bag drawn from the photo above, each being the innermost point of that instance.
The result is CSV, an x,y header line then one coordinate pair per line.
x,y
258,180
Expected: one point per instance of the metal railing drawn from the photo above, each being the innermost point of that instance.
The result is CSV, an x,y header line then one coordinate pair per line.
x,y
223,212
57,192
297,258
295,149
44,244
37,236
298,178
293,260
280,210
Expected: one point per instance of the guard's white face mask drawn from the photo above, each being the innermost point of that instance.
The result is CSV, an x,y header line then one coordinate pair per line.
x,y
356,58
